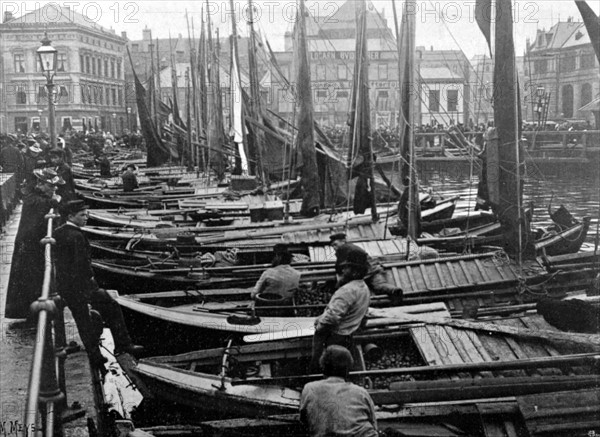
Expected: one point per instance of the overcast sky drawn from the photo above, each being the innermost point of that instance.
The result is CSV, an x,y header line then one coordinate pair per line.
x,y
441,24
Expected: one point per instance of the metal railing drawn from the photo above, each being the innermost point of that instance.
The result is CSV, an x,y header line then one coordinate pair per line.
x,y
46,393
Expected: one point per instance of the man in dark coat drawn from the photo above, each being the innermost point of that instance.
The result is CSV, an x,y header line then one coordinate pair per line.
x,y
11,159
77,286
27,268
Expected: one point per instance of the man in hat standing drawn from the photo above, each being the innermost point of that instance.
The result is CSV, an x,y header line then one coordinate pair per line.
x,y
76,284
375,278
28,263
11,159
281,279
346,309
334,406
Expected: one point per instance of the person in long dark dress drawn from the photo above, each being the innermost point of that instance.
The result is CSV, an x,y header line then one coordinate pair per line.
x,y
27,268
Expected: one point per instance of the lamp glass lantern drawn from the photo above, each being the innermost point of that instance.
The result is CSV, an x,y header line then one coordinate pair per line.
x,y
540,91
47,56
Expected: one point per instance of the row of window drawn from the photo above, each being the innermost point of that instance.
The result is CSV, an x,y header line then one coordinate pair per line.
x,y
100,95
19,63
99,66
87,64
567,63
21,95
344,72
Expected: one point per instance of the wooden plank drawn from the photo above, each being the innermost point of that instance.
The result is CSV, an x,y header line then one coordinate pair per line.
x,y
411,278
425,344
481,270
396,276
452,272
467,273
424,275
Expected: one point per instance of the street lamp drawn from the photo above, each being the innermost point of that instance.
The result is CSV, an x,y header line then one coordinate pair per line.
x,y
114,124
47,56
40,114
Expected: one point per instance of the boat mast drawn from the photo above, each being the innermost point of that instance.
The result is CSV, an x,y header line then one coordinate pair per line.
x,y
237,104
305,141
406,117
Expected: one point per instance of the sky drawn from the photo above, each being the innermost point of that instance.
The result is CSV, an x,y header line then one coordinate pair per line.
x,y
440,24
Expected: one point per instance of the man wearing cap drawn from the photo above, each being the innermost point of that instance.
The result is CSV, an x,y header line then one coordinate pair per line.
x,y
28,263
346,309
334,406
76,284
281,279
375,278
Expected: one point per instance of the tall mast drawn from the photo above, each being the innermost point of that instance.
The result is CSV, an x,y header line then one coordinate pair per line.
x,y
237,104
305,141
255,103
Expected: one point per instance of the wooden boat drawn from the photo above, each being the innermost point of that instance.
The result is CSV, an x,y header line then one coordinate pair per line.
x,y
263,379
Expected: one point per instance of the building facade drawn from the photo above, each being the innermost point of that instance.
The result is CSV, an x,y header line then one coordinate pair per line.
x,y
561,64
90,80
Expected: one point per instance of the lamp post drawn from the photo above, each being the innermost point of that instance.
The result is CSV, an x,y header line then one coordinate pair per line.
x,y
47,55
40,115
129,119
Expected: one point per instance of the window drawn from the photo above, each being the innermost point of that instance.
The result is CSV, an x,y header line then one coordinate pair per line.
x,y
342,71
382,100
383,71
568,63
113,94
83,99
118,69
93,65
19,63
21,124
21,96
81,64
452,97
434,101
567,101
63,94
121,97
101,95
586,94
342,94
61,62
108,96
106,67
112,69
42,95
540,66
87,64
587,60
320,72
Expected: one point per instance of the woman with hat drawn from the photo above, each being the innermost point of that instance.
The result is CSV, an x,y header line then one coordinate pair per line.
x,y
32,161
56,160
346,309
27,268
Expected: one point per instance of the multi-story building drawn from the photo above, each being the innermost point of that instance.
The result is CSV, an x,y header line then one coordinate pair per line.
x,y
90,80
443,76
561,64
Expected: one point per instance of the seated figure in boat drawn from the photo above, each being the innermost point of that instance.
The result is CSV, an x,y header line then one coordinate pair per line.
x,y
375,278
281,279
334,406
346,309
130,181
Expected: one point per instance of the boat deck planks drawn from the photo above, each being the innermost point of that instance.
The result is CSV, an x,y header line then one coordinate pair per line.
x,y
561,412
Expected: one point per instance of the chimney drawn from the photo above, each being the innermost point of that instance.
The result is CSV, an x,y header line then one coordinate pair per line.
x,y
8,15
124,35
147,34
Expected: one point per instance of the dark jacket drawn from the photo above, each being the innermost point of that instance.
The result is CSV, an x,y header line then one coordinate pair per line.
x,y
27,268
11,160
74,274
130,182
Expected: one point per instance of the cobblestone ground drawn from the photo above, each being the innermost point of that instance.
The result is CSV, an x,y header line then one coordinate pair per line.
x,y
17,339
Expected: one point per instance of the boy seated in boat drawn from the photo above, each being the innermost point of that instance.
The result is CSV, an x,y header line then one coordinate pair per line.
x,y
281,279
334,406
130,181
